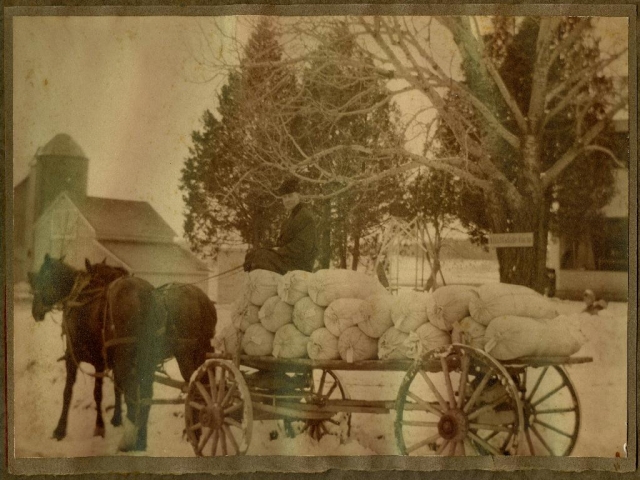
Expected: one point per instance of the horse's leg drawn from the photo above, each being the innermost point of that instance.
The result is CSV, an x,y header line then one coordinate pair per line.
x,y
98,431
116,420
72,369
146,394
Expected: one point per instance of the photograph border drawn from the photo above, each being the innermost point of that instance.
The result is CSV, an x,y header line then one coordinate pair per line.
x,y
127,464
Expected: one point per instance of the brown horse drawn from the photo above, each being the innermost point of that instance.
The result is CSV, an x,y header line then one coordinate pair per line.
x,y
85,297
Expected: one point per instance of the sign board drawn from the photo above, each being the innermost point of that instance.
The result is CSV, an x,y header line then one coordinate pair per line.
x,y
505,240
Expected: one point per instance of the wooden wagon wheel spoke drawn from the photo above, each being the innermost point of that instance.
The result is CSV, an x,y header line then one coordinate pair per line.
x,y
194,427
418,423
548,395
214,443
551,427
220,382
506,442
447,380
212,384
530,442
204,393
432,387
423,443
538,381
322,379
555,410
488,407
460,450
487,446
233,408
463,381
476,393
227,396
203,440
196,405
232,422
453,446
490,427
223,441
332,389
428,407
231,438
442,447
542,440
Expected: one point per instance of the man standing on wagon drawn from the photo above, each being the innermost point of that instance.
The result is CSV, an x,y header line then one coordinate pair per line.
x,y
296,247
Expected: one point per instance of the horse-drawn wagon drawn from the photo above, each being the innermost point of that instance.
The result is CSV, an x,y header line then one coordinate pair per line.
x,y
454,400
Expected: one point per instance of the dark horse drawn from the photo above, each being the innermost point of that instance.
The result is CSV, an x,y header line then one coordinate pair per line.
x,y
121,322
85,298
82,326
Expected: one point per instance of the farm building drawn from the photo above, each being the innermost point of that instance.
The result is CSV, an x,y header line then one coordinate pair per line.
x,y
599,260
53,214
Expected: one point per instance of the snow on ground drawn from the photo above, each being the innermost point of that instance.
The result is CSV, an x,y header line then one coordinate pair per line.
x,y
39,381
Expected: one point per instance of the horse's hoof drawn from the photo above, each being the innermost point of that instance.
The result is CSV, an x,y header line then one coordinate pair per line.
x,y
129,439
59,434
116,421
98,432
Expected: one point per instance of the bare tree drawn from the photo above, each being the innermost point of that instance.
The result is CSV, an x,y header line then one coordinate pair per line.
x,y
404,50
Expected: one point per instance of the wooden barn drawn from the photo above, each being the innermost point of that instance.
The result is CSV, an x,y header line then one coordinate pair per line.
x,y
53,214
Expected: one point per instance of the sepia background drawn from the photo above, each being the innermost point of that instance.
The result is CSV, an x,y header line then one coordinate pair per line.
x,y
105,110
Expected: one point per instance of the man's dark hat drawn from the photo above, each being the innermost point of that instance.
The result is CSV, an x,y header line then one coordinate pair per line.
x,y
290,185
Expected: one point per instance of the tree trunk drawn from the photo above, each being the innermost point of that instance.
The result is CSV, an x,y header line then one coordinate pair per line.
x,y
324,247
356,250
526,265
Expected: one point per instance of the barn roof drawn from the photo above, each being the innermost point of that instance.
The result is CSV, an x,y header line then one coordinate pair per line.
x,y
62,145
124,219
148,257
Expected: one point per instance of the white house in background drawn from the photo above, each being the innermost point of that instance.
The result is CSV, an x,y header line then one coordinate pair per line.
x,y
53,214
599,261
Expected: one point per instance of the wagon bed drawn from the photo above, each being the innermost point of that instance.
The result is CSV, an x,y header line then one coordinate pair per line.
x,y
454,400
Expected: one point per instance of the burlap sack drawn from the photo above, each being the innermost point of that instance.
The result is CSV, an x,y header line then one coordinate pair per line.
x,y
509,337
226,341
409,310
498,299
326,286
289,342
391,345
426,337
262,285
293,286
378,320
323,345
469,332
355,346
307,316
244,313
257,341
344,313
450,304
275,313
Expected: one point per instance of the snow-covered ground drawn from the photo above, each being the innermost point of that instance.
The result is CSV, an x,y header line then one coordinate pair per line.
x,y
39,380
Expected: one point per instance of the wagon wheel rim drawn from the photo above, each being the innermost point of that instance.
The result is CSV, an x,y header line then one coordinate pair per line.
x,y
329,387
218,410
551,412
458,401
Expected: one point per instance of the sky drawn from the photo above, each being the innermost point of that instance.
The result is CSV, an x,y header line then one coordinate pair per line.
x,y
129,93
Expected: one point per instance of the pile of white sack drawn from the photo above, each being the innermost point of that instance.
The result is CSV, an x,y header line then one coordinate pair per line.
x,y
343,314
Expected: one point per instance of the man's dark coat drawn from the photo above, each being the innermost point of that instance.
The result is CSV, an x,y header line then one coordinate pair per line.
x,y
295,249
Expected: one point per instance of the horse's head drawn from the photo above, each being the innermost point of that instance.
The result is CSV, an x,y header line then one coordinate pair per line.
x,y
103,274
52,283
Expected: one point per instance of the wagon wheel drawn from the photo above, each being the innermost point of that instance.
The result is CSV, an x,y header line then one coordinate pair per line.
x,y
457,400
551,412
218,410
327,387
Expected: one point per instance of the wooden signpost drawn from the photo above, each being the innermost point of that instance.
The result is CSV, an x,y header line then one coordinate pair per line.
x,y
510,240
